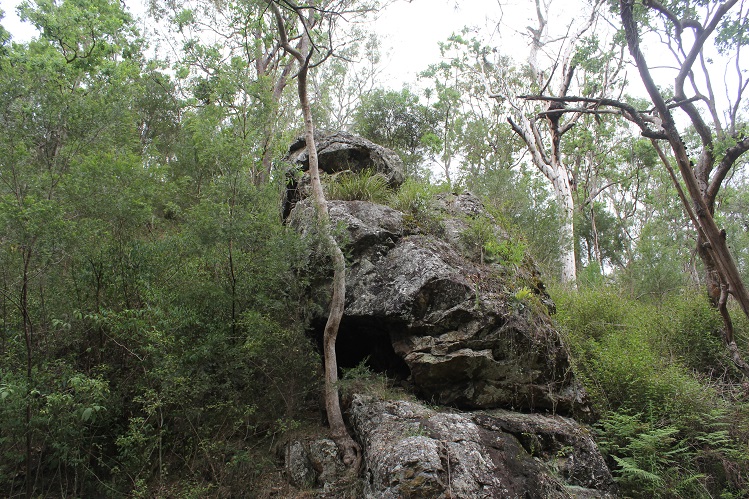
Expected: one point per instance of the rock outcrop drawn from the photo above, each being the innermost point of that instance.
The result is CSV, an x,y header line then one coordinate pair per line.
x,y
414,451
464,333
445,302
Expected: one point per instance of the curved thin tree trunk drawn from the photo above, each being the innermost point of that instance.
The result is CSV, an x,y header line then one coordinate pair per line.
x,y
350,450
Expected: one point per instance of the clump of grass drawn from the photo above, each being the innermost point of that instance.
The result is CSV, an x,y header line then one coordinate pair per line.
x,y
366,185
416,201
414,197
363,380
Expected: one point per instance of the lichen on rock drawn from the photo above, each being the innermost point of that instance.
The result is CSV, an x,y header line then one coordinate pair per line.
x,y
414,451
465,338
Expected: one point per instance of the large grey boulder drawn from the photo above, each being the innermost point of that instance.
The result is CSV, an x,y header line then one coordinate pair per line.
x,y
411,450
464,333
341,151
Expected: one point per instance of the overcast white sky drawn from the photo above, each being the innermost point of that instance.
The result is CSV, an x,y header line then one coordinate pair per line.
x,y
410,31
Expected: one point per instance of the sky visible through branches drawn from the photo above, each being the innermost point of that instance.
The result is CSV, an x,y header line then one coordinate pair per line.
x,y
410,31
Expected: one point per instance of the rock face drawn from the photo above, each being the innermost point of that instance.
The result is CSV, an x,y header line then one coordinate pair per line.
x,y
464,333
313,463
340,151
413,451
443,300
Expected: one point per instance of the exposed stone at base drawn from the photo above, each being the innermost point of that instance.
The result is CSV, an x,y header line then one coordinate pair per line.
x,y
314,463
411,450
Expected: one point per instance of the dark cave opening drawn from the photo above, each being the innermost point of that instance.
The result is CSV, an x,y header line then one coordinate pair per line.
x,y
369,340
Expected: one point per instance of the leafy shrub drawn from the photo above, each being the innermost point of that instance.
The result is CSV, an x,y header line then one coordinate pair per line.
x,y
665,426
362,379
477,236
284,358
590,313
692,333
507,252
483,243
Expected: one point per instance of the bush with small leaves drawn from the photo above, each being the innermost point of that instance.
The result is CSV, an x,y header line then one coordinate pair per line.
x,y
668,429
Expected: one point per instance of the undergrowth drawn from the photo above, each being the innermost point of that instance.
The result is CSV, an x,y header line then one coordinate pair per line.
x,y
674,417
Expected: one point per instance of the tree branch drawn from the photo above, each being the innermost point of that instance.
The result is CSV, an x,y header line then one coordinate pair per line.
x,y
640,118
729,159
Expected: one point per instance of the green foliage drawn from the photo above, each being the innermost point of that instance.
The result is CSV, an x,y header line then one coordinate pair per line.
x,y
398,121
644,455
416,200
480,238
522,205
152,339
734,206
665,427
484,243
414,197
362,379
361,186
681,459
599,236
632,354
153,280
507,252
659,266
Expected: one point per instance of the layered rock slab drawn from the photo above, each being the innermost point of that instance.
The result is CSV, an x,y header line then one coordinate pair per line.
x,y
411,450
336,153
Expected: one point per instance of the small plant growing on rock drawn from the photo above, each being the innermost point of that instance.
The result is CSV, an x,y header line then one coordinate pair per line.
x,y
416,201
362,379
414,197
477,236
481,240
417,430
366,185
508,252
